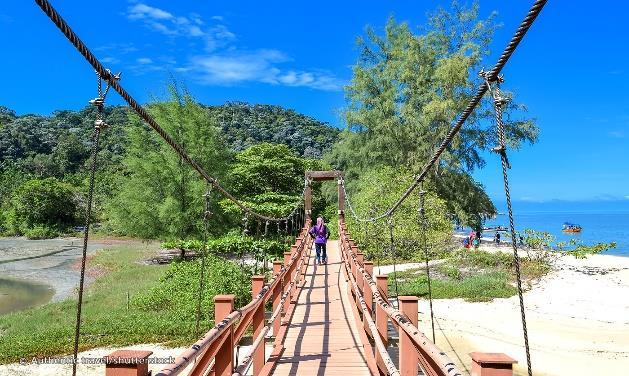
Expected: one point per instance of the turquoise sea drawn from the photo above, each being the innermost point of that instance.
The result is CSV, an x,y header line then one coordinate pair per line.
x,y
608,226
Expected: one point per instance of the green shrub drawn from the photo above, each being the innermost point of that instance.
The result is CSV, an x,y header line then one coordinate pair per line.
x,y
41,232
40,204
234,243
177,291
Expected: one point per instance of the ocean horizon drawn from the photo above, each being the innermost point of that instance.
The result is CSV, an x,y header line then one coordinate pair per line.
x,y
600,223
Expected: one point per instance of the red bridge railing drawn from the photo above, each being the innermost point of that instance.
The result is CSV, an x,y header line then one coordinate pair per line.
x,y
214,353
415,349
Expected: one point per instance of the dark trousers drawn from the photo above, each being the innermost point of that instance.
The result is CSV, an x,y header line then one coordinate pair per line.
x,y
321,252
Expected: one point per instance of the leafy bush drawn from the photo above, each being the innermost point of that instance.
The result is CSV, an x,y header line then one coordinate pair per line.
x,y
41,206
177,291
234,243
41,232
380,188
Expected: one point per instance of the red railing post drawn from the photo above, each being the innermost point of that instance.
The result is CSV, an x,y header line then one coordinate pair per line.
x,y
409,359
257,283
277,297
224,360
286,284
382,319
360,279
368,265
353,251
127,363
492,364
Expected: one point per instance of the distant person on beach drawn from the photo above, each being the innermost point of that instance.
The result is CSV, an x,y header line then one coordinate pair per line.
x,y
321,234
497,238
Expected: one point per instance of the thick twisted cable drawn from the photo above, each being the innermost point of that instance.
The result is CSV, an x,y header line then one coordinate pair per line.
x,y
492,75
107,76
502,150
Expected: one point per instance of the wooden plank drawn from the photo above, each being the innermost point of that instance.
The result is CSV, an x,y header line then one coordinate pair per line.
x,y
321,337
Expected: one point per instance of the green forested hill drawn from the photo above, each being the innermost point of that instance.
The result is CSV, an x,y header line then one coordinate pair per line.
x,y
47,156
245,124
57,144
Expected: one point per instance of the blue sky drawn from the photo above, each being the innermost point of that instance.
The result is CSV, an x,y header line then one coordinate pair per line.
x,y
571,70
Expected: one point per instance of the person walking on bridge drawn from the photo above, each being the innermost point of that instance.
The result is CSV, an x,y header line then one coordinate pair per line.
x,y
321,234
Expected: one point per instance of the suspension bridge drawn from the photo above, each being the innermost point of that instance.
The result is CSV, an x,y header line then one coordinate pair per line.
x,y
311,319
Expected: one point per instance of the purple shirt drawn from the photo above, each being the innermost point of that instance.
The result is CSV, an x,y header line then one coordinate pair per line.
x,y
320,234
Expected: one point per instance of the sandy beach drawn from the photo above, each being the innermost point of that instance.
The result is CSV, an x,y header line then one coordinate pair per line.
x,y
577,318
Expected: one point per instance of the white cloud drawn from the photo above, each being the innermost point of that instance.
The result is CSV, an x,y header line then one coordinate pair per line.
x,y
170,24
617,134
257,66
109,60
239,67
142,11
223,63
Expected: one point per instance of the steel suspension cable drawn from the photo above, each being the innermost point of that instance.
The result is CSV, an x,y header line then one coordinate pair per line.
x,y
106,75
501,149
206,217
532,14
394,255
424,228
99,125
266,233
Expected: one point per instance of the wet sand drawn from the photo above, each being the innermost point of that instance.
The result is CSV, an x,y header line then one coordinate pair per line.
x,y
33,263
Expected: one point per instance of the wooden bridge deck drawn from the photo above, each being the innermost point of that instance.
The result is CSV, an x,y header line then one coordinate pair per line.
x,y
322,337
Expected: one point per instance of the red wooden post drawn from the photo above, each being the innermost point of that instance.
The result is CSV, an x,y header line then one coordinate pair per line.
x,y
492,364
341,197
224,360
304,265
277,297
382,319
257,283
308,201
367,292
286,284
353,251
127,363
409,358
360,280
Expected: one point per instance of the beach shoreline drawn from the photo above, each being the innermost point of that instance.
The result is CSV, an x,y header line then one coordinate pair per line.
x,y
576,322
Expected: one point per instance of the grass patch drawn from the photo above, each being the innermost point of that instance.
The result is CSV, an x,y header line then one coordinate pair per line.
x,y
477,288
161,308
475,276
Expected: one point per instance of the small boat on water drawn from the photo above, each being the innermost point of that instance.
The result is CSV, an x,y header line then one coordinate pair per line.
x,y
571,227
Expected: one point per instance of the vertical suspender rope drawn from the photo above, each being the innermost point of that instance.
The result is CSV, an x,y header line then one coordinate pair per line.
x,y
266,232
424,229
245,232
394,255
206,216
99,125
501,149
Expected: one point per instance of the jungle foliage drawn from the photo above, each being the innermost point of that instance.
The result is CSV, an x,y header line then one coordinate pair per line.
x,y
383,187
406,91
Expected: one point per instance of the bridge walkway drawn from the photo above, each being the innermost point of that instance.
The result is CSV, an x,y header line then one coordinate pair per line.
x,y
322,337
